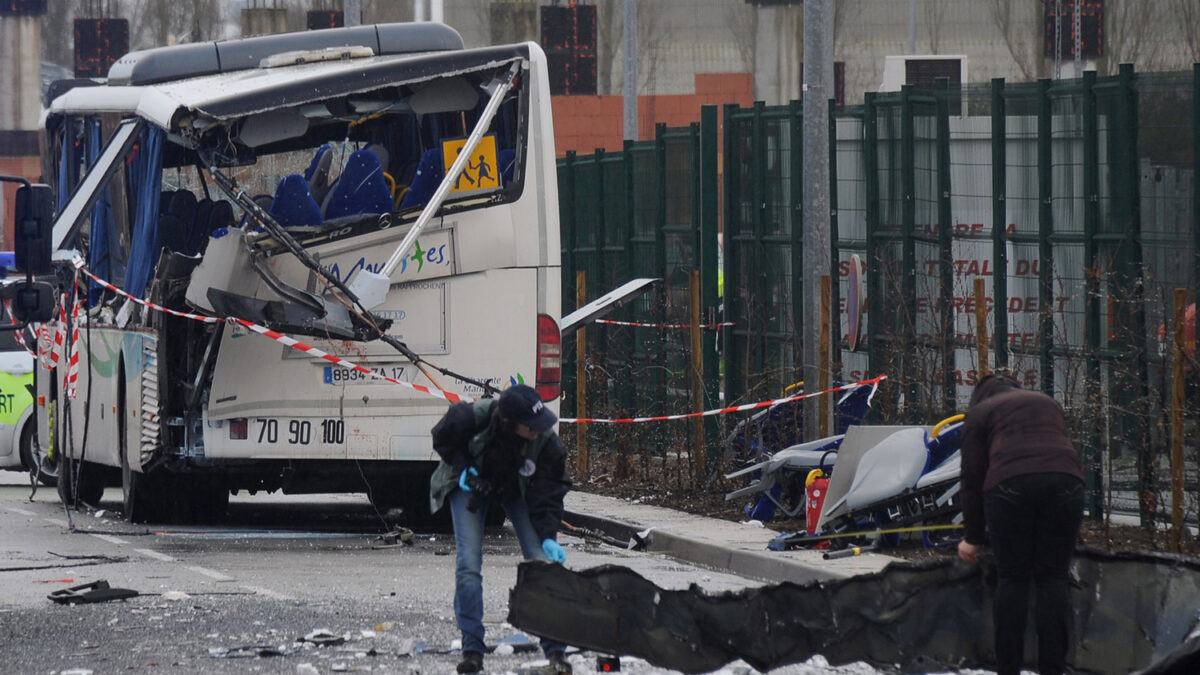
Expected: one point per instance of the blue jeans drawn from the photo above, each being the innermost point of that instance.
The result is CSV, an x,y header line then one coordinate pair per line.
x,y
468,577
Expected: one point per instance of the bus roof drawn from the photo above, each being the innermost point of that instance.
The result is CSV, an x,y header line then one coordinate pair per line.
x,y
164,64
243,92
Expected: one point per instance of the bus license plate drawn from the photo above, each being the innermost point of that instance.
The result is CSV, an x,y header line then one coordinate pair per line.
x,y
339,375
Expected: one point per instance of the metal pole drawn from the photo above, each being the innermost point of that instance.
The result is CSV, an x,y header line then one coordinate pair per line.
x,y
912,26
352,12
818,89
436,13
630,83
581,439
419,10
456,168
371,287
1176,417
699,447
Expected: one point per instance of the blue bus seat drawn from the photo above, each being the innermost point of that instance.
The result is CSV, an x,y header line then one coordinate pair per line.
x,y
429,174
360,189
293,205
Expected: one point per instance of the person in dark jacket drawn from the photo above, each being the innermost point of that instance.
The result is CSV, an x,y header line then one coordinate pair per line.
x,y
1022,486
499,453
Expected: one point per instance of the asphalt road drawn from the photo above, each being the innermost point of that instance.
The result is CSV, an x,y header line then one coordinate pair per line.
x,y
244,596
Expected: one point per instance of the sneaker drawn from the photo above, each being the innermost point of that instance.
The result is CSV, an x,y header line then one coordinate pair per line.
x,y
472,662
559,663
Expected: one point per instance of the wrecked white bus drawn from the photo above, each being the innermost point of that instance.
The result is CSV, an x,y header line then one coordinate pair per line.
x,y
280,256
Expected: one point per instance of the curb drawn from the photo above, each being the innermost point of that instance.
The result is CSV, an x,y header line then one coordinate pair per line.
x,y
763,565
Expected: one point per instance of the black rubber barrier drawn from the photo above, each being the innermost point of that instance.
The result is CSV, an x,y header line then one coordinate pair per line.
x,y
1131,611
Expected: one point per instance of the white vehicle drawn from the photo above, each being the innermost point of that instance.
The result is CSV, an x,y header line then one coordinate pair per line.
x,y
19,450
318,239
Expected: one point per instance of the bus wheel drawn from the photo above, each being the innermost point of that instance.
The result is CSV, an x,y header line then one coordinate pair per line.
x,y
78,483
137,490
36,459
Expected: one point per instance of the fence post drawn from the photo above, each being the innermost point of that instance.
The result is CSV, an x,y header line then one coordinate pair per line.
x,y
1195,183
568,231
908,274
825,329
1196,176
981,330
1045,175
1092,444
835,251
999,222
581,378
699,451
945,243
1130,294
875,286
708,253
734,354
1177,423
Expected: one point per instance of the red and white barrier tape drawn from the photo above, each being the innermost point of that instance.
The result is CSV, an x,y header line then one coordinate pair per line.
x,y
281,338
71,381
874,382
662,325
18,334
313,351
78,262
60,332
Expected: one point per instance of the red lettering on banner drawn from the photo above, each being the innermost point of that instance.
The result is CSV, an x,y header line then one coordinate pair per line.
x,y
968,378
964,267
1022,339
844,268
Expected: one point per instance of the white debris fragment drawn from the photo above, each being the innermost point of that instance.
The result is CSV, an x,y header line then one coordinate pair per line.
x,y
306,669
176,596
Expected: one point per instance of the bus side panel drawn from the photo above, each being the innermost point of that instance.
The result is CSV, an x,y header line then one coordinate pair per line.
x,y
141,410
93,408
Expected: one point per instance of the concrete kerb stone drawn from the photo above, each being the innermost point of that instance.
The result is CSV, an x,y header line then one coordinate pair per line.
x,y
720,545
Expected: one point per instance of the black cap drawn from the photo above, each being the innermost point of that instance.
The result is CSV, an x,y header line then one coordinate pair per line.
x,y
521,403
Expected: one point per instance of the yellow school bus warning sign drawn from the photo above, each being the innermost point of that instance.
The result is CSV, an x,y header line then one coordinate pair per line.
x,y
481,172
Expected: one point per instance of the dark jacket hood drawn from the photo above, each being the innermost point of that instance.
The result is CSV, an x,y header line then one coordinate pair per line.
x,y
991,385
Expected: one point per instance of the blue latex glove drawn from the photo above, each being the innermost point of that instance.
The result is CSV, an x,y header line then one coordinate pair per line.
x,y
462,480
553,551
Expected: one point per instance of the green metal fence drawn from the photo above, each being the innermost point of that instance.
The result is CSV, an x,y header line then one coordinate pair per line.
x,y
644,212
1076,201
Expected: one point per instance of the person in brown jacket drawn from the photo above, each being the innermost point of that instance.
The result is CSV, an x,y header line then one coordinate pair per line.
x,y
1022,487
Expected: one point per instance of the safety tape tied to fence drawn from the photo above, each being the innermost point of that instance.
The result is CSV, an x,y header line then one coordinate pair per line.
x,y
873,382
612,322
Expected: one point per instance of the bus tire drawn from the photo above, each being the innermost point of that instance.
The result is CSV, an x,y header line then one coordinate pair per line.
x,y
78,483
35,459
137,491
